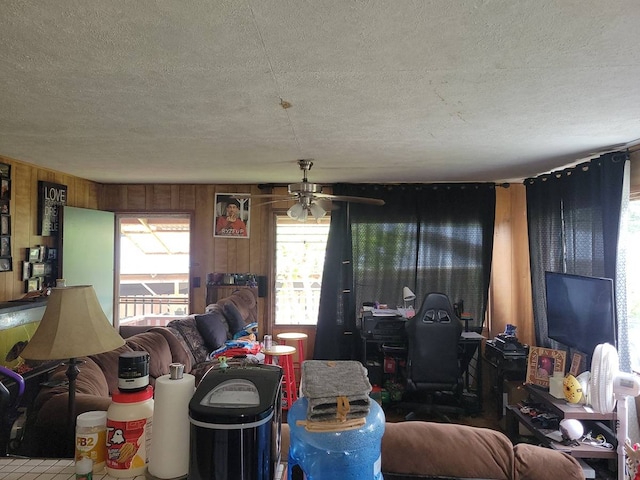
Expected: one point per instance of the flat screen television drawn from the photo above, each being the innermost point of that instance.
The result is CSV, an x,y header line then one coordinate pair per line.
x,y
581,310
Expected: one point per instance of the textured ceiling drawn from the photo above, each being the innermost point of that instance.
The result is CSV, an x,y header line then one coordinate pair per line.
x,y
377,91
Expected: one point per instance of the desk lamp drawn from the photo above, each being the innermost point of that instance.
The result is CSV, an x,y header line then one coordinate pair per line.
x,y
407,296
73,325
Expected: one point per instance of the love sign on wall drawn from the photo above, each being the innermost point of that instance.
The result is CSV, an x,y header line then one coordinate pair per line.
x,y
51,198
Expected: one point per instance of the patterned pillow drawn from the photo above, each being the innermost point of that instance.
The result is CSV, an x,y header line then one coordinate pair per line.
x,y
187,332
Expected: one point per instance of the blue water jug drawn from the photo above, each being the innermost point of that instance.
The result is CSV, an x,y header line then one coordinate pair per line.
x,y
346,455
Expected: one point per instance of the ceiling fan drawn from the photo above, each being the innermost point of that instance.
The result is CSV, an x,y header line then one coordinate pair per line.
x,y
310,198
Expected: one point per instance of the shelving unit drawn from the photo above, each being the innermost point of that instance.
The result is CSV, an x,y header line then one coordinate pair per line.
x,y
600,421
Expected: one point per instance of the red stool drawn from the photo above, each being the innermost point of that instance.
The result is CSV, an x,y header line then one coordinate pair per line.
x,y
300,337
285,360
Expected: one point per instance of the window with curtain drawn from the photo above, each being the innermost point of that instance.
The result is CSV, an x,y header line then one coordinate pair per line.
x,y
574,226
431,238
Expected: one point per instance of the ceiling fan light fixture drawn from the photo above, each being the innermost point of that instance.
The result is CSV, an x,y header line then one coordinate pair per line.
x,y
317,210
298,212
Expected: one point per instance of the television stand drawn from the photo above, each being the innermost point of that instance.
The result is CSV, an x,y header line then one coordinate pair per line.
x,y
594,421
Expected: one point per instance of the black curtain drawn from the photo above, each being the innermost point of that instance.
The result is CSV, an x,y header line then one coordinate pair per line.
x,y
573,217
431,238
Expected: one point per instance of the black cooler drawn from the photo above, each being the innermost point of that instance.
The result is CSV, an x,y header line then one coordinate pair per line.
x,y
236,417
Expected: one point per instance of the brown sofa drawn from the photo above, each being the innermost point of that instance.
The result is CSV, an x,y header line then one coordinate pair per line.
x,y
426,450
433,450
46,432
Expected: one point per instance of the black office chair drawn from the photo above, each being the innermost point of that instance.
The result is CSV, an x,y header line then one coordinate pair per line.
x,y
433,361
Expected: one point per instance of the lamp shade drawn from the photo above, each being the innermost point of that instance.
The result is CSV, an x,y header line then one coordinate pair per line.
x,y
298,212
408,295
317,210
295,211
73,325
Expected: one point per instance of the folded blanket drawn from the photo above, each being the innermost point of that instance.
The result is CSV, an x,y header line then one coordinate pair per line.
x,y
236,348
335,389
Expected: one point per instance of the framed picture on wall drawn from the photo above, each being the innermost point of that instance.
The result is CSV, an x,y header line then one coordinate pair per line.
x,y
5,246
26,270
5,189
231,215
34,254
542,364
5,264
33,285
5,225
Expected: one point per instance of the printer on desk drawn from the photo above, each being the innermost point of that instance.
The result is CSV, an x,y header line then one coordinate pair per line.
x,y
386,326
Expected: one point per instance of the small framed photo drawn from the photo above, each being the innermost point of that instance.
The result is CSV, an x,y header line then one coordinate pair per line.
x,y
542,363
4,207
231,216
5,246
34,254
5,189
5,225
578,364
52,254
26,270
37,269
5,264
33,285
43,253
5,170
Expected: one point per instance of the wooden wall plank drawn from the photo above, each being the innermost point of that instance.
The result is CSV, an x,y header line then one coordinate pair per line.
x,y
24,215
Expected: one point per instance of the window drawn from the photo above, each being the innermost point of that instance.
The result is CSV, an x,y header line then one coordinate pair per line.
x,y
153,276
300,249
633,283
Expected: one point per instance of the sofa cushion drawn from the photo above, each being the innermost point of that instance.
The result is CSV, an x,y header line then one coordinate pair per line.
x,y
246,302
158,349
213,328
426,448
529,459
234,317
186,331
108,363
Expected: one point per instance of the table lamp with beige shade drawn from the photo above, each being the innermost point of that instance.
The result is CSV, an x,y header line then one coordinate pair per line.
x,y
73,325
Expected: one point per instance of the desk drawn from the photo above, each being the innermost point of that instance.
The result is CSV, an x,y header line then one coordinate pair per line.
x,y
508,365
469,354
469,346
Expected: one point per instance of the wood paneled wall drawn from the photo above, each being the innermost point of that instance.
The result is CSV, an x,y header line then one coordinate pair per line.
x,y
24,215
208,253
510,294
510,290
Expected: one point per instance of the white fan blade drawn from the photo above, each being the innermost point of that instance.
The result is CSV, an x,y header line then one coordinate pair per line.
x,y
347,198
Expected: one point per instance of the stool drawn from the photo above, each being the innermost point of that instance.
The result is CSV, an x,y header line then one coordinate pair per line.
x,y
284,352
300,337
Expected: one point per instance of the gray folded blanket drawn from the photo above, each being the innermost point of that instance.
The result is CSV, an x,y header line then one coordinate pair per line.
x,y
328,384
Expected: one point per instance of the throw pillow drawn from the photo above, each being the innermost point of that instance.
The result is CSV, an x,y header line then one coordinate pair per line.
x,y
213,330
234,318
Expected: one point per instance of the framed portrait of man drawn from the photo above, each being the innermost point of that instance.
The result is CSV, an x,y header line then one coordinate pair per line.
x,y
231,215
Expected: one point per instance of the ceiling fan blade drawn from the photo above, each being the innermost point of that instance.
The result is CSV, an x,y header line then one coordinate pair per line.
x,y
263,195
262,204
347,198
